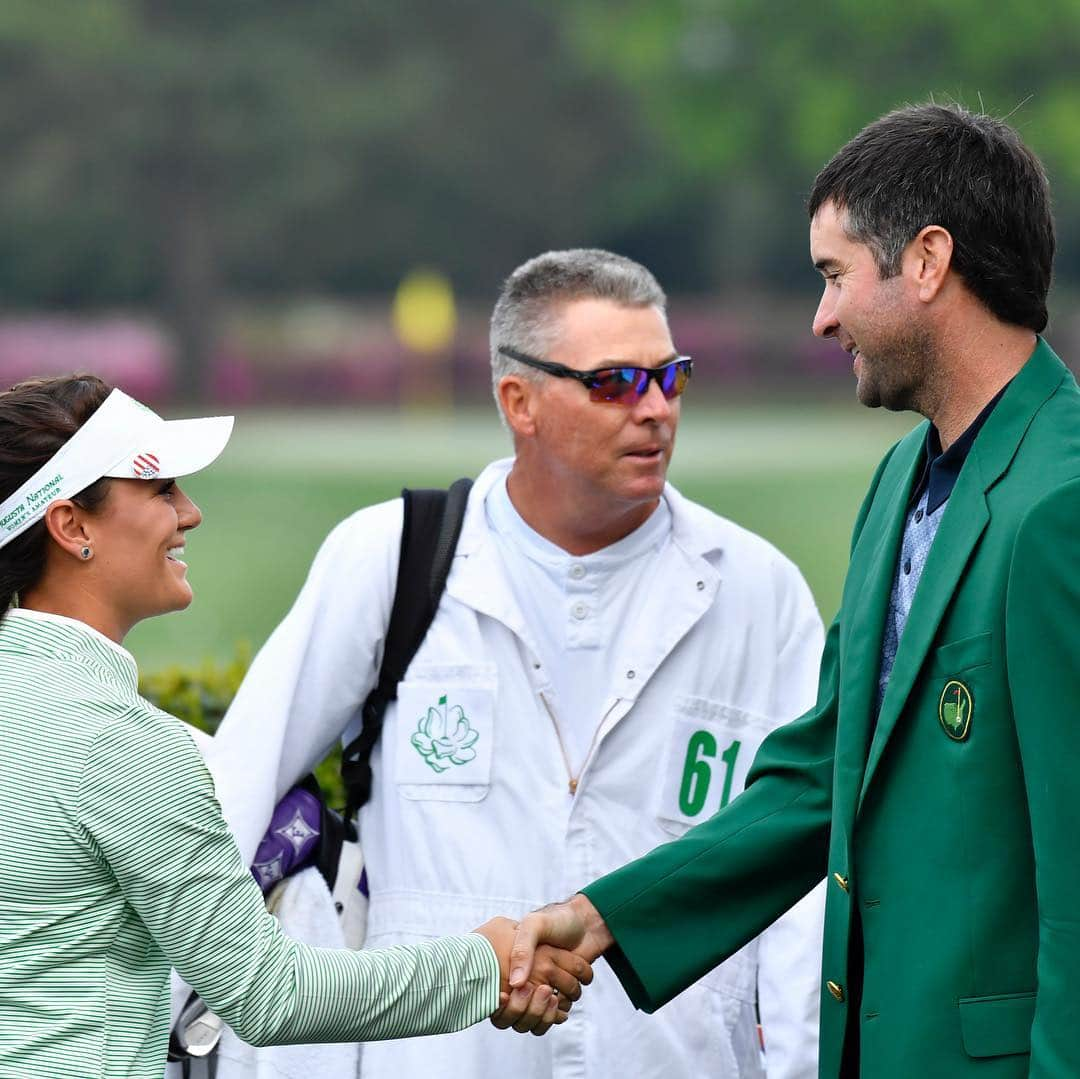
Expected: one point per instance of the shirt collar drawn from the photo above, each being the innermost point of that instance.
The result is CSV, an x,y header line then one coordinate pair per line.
x,y
942,468
39,633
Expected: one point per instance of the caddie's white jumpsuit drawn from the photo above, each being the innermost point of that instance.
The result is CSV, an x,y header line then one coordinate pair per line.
x,y
725,647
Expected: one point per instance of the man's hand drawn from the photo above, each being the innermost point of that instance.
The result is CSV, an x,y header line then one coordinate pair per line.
x,y
544,999
575,925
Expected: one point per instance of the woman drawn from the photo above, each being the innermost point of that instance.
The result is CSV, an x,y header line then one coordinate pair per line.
x,y
117,863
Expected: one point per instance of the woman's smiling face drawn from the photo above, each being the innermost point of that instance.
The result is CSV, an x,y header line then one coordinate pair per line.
x,y
137,540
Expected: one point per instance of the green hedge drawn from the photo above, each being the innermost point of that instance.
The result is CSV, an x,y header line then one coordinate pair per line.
x,y
200,696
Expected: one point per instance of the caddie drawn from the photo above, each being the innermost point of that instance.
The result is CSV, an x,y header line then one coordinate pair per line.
x,y
603,665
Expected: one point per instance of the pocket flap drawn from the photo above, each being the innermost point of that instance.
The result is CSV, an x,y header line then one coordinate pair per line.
x,y
963,654
997,1026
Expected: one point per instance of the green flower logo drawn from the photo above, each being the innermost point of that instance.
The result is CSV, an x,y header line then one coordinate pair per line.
x,y
444,737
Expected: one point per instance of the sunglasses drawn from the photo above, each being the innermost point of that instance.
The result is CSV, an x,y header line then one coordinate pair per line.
x,y
625,384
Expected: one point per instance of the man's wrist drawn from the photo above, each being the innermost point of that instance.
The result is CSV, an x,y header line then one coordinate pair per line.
x,y
596,931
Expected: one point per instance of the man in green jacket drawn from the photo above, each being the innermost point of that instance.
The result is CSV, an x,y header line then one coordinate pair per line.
x,y
935,781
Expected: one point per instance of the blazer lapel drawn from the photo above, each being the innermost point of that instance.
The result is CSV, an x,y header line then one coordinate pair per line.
x,y
869,586
965,518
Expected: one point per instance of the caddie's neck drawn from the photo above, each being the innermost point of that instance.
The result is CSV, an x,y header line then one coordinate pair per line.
x,y
569,514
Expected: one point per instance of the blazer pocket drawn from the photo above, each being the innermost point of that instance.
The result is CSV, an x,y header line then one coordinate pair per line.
x,y
963,655
997,1026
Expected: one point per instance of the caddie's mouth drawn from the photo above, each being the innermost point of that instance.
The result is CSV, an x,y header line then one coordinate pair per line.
x,y
652,452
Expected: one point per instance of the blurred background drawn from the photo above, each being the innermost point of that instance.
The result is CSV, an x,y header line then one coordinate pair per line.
x,y
302,213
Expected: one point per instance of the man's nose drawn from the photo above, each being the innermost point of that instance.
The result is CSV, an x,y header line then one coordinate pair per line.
x,y
825,323
653,405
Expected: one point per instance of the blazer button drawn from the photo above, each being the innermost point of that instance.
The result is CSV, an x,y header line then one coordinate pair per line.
x,y
836,990
841,880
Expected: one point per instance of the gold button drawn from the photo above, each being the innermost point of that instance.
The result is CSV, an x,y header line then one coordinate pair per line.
x,y
836,990
841,880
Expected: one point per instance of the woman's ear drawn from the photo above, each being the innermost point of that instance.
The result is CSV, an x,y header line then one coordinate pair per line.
x,y
66,524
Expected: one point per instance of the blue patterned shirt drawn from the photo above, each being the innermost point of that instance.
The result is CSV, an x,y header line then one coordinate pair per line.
x,y
925,510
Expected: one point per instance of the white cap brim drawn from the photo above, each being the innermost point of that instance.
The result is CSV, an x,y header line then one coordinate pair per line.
x,y
124,440
172,448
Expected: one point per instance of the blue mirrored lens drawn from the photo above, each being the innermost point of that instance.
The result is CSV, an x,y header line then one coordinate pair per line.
x,y
632,383
619,383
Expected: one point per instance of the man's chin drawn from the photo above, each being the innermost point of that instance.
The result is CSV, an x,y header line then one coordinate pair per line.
x,y
867,390
644,491
892,400
873,395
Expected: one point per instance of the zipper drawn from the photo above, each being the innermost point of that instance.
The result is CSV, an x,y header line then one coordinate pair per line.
x,y
573,780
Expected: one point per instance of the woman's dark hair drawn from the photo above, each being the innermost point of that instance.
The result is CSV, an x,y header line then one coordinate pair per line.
x,y
969,173
36,418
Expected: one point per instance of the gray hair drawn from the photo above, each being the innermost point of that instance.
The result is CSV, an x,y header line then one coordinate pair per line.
x,y
527,310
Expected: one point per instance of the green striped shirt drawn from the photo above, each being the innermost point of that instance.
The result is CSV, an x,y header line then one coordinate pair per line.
x,y
115,864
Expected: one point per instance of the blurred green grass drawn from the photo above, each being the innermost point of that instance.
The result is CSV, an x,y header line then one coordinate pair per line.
x,y
795,473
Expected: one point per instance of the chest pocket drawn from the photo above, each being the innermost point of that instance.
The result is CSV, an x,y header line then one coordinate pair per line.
x,y
709,752
963,655
443,739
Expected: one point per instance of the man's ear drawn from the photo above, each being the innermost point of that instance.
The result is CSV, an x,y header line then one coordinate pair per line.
x,y
928,259
517,396
66,524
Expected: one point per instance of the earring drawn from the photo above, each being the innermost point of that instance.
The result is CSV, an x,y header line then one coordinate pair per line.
x,y
86,553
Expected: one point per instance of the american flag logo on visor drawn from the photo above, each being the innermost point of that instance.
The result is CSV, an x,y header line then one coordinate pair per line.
x,y
145,466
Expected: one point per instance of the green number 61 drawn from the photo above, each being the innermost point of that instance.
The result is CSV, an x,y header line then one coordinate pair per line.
x,y
697,772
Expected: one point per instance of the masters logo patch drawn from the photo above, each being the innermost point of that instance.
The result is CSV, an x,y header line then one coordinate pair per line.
x,y
444,736
955,709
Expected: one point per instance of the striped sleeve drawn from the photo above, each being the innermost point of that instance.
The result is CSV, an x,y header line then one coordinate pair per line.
x,y
147,805
439,985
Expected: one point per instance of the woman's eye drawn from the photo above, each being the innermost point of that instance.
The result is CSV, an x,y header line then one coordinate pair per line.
x,y
168,489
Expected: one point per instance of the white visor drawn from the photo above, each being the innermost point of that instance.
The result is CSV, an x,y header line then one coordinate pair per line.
x,y
122,439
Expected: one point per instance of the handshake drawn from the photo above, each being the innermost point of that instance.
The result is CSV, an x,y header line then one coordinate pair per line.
x,y
544,961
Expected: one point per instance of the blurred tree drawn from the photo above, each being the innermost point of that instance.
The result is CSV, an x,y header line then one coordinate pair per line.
x,y
187,154
178,153
751,98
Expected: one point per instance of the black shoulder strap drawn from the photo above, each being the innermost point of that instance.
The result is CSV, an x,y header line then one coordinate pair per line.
x,y
430,530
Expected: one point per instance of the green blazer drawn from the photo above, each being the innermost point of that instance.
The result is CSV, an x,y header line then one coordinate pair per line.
x,y
949,822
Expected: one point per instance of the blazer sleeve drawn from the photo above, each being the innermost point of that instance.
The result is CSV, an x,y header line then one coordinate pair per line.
x,y
1042,652
690,904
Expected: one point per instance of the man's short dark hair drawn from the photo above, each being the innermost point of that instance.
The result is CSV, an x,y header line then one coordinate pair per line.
x,y
969,173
